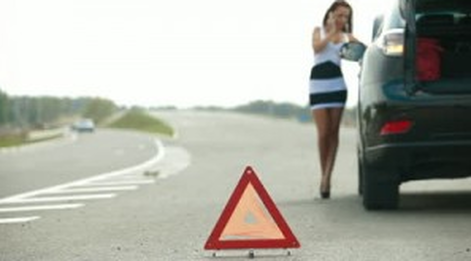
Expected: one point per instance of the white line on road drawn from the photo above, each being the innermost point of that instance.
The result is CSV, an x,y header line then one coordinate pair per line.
x,y
137,168
123,182
128,177
178,159
55,199
44,207
94,189
17,220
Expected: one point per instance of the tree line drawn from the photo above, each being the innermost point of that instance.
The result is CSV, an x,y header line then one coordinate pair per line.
x,y
26,112
283,110
290,110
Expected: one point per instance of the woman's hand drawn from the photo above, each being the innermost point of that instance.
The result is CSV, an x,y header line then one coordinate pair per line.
x,y
352,38
331,24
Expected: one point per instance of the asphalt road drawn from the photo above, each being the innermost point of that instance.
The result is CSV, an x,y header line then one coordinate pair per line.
x,y
171,217
74,157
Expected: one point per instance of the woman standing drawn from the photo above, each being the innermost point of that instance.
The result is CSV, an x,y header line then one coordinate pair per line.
x,y
328,92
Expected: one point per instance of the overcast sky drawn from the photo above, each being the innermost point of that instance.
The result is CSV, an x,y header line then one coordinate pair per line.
x,y
172,52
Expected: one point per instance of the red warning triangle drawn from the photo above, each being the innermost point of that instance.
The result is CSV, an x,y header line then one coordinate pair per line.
x,y
244,223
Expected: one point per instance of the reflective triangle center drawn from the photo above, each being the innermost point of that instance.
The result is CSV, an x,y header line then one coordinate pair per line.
x,y
251,220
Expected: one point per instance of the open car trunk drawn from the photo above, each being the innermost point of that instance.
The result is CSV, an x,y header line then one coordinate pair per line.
x,y
443,115
449,23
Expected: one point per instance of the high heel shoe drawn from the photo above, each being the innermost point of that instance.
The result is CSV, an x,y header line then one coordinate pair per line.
x,y
325,191
325,194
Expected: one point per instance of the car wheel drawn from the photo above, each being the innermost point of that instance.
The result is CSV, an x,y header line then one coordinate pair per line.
x,y
380,188
360,176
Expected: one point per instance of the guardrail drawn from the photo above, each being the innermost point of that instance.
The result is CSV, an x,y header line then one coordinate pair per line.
x,y
37,135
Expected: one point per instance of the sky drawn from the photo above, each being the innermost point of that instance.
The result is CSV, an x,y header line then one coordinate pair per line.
x,y
182,53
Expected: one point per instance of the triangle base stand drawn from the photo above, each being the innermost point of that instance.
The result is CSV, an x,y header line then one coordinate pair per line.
x,y
251,253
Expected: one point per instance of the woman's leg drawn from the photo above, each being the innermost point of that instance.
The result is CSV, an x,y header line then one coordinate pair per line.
x,y
335,117
322,120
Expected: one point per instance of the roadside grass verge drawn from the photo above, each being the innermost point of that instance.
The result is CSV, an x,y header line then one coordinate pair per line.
x,y
19,139
11,140
136,119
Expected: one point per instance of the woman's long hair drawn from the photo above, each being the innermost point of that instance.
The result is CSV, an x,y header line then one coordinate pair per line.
x,y
340,3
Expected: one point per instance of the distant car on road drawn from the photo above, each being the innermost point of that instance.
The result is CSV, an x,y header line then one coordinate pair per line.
x,y
84,125
412,127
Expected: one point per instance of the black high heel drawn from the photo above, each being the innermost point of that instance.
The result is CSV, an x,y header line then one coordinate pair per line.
x,y
325,191
325,194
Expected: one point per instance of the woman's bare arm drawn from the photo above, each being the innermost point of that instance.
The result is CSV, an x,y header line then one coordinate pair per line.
x,y
352,38
319,43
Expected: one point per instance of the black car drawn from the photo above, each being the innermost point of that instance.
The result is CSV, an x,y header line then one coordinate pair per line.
x,y
412,127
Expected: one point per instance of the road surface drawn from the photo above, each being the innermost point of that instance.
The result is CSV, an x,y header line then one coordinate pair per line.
x,y
172,203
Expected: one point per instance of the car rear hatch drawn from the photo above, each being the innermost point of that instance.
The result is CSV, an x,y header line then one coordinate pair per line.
x,y
438,109
449,23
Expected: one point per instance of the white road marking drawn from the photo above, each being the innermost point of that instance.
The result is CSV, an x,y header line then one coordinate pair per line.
x,y
128,177
123,182
141,167
178,159
64,198
43,207
125,179
94,189
17,220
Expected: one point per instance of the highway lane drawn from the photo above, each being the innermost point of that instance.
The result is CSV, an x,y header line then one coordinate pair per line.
x,y
171,219
74,157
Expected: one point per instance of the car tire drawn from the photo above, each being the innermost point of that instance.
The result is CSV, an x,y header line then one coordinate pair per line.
x,y
380,188
360,175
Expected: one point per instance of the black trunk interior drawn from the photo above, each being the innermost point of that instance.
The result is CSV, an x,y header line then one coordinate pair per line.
x,y
454,35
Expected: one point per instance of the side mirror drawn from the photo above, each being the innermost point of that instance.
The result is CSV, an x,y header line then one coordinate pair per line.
x,y
352,51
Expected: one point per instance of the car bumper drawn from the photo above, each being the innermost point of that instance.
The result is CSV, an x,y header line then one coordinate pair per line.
x,y
423,160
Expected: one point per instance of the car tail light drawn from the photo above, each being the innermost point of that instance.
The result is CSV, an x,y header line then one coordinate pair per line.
x,y
396,127
392,42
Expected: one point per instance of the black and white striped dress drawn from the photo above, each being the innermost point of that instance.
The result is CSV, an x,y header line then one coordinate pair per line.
x,y
327,88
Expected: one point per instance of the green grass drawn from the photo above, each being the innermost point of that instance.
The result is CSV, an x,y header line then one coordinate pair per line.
x,y
141,121
11,140
133,119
